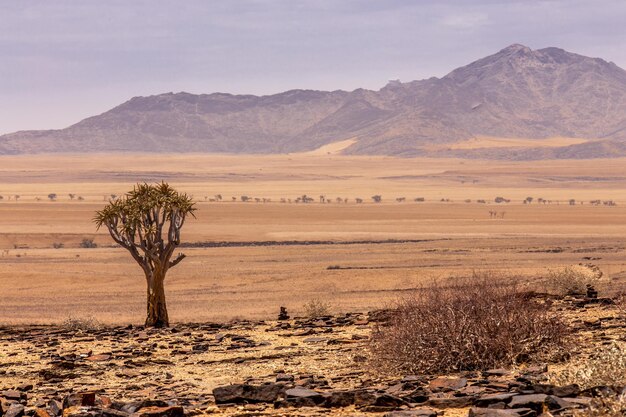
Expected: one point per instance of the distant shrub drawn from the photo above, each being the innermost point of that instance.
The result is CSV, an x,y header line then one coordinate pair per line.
x,y
606,367
81,323
317,308
88,244
573,280
471,324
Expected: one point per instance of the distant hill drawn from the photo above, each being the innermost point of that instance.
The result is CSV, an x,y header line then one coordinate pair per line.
x,y
530,97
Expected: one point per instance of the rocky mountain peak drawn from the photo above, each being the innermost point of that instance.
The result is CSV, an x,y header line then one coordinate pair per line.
x,y
515,93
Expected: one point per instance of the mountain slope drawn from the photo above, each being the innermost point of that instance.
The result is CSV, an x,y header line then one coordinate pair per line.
x,y
515,93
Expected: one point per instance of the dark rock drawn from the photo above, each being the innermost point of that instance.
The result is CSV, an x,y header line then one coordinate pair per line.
x,y
416,412
536,369
24,387
85,399
304,395
556,403
532,401
444,384
450,402
14,410
490,412
245,393
489,399
12,395
386,400
282,377
600,391
413,379
316,339
381,402
133,406
591,291
173,411
99,358
418,395
283,315
109,412
337,399
55,407
473,390
497,372
572,390
364,398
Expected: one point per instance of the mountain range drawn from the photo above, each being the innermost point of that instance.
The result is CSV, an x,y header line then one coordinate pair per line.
x,y
517,104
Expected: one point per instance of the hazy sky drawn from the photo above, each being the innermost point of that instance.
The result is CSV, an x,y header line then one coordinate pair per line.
x,y
62,60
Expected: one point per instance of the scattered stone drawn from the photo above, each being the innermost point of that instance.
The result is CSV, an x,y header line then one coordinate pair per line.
x,y
450,402
489,399
532,401
491,412
282,377
283,315
303,397
497,372
444,384
15,410
338,399
416,412
244,393
173,411
99,358
85,399
13,395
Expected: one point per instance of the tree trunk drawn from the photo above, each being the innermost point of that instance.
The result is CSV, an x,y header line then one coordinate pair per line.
x,y
156,307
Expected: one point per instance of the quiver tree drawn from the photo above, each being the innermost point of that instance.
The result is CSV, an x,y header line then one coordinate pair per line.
x,y
147,222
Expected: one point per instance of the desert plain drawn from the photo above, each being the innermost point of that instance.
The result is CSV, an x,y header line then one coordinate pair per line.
x,y
246,259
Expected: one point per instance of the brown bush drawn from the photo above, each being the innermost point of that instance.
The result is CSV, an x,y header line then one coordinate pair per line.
x,y
605,367
604,407
469,324
620,303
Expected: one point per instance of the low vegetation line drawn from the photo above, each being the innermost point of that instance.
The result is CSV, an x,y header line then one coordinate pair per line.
x,y
302,243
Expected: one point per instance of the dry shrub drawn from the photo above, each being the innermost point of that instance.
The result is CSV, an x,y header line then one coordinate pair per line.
x,y
604,407
317,308
573,280
470,324
81,323
620,303
607,367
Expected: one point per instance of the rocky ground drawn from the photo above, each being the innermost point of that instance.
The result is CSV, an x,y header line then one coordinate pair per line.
x,y
289,367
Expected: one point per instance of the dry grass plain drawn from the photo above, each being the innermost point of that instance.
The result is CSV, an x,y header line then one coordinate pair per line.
x,y
40,284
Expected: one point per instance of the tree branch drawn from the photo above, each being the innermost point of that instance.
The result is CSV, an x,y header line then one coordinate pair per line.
x,y
175,262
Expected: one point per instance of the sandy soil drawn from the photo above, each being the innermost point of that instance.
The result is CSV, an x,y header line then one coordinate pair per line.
x,y
41,284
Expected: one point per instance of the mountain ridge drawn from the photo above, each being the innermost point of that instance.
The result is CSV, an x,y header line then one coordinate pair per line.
x,y
515,93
